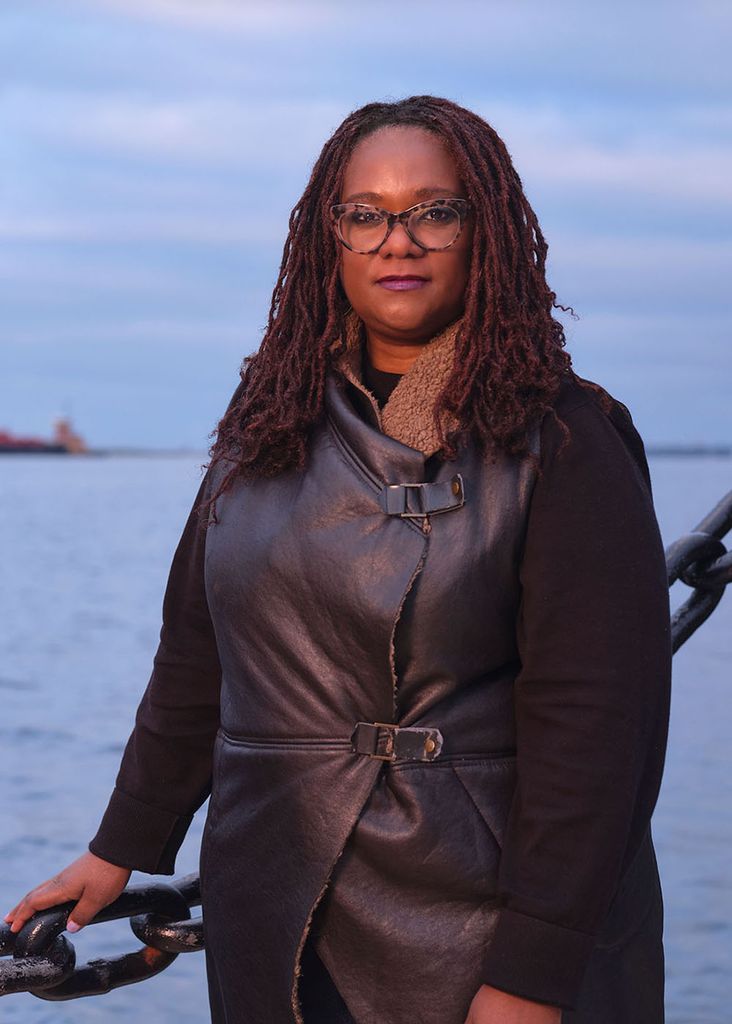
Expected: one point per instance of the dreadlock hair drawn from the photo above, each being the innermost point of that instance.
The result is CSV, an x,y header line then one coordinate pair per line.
x,y
509,357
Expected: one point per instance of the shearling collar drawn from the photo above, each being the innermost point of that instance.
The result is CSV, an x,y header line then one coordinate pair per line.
x,y
408,414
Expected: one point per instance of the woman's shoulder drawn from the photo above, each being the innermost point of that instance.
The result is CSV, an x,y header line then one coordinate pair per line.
x,y
581,399
575,391
594,424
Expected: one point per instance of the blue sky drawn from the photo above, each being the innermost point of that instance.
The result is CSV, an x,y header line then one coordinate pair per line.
x,y
151,150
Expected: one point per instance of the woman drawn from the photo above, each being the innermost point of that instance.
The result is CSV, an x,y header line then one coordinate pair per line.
x,y
421,654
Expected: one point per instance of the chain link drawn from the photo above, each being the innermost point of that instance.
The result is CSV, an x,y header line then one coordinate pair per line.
x,y
700,560
44,961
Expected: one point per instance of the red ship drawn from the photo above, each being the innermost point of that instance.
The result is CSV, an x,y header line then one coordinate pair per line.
x,y
64,442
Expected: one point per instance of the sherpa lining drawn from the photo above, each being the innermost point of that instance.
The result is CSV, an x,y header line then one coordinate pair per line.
x,y
408,415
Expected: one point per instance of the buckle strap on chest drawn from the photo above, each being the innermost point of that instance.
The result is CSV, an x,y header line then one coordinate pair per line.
x,y
389,742
414,501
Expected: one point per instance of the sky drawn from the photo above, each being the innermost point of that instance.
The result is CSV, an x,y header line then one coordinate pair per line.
x,y
151,151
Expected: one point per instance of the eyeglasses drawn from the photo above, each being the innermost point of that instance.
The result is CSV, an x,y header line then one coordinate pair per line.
x,y
433,225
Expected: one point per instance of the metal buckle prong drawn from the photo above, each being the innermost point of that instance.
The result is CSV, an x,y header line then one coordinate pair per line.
x,y
391,756
456,486
413,486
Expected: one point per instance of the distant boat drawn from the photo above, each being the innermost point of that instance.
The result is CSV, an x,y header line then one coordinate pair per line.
x,y
64,442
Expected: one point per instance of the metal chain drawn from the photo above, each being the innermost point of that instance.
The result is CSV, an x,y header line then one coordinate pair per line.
x,y
700,560
44,961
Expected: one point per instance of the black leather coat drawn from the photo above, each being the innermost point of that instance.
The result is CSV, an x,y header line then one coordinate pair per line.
x,y
518,635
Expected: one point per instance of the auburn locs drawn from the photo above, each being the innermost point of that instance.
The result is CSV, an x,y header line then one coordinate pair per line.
x,y
510,352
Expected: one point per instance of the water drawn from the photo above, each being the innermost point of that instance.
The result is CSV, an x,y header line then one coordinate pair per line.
x,y
86,545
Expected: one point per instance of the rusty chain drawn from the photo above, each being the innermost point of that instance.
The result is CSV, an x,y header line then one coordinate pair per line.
x,y
44,961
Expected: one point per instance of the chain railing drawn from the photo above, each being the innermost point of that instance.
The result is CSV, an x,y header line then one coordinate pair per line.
x,y
42,961
700,560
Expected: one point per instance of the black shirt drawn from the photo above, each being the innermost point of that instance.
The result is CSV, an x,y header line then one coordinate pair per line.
x,y
379,382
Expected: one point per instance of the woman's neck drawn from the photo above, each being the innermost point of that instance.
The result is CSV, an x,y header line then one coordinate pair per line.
x,y
390,356
394,356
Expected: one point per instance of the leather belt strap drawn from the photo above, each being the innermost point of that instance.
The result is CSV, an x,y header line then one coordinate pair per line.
x,y
417,500
389,742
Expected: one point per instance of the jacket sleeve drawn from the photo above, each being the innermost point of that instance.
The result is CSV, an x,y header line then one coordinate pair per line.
x,y
591,702
165,773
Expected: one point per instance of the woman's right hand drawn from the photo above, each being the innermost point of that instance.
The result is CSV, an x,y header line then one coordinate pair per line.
x,y
92,881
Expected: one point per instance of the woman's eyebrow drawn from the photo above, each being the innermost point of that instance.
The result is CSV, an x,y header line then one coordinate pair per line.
x,y
421,193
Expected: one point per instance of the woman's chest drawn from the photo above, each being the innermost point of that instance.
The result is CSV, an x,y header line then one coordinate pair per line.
x,y
310,575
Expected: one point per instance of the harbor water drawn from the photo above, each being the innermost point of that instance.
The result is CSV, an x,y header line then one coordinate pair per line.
x,y
85,548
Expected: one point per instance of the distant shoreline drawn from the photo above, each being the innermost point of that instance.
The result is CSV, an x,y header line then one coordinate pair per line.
x,y
142,453
662,450
689,449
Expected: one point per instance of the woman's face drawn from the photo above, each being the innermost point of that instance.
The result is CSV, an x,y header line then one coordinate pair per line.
x,y
396,168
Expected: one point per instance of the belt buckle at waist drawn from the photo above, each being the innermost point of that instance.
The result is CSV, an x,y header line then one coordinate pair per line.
x,y
387,741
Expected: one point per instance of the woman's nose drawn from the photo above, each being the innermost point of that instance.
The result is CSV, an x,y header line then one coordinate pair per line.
x,y
399,244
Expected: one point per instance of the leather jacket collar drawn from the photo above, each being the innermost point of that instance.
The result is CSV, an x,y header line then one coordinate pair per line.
x,y
408,414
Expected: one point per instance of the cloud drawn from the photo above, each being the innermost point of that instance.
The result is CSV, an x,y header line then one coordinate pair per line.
x,y
159,330
549,144
702,175
631,46
645,259
204,131
641,275
108,226
567,150
47,271
227,15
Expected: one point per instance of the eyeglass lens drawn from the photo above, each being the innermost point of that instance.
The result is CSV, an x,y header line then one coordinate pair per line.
x,y
433,227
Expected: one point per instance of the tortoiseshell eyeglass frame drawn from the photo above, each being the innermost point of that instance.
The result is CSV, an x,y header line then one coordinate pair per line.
x,y
461,206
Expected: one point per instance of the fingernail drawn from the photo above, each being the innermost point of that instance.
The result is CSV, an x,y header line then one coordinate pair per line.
x,y
72,926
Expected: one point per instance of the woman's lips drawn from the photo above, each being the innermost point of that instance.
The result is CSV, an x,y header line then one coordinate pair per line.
x,y
402,284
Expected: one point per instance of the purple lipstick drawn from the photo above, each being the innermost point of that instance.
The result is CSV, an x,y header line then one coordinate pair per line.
x,y
405,283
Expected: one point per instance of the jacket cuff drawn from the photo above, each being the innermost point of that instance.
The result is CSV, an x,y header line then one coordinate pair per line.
x,y
138,836
537,960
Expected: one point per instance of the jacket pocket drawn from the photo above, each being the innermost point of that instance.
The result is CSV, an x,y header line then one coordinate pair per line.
x,y
490,784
